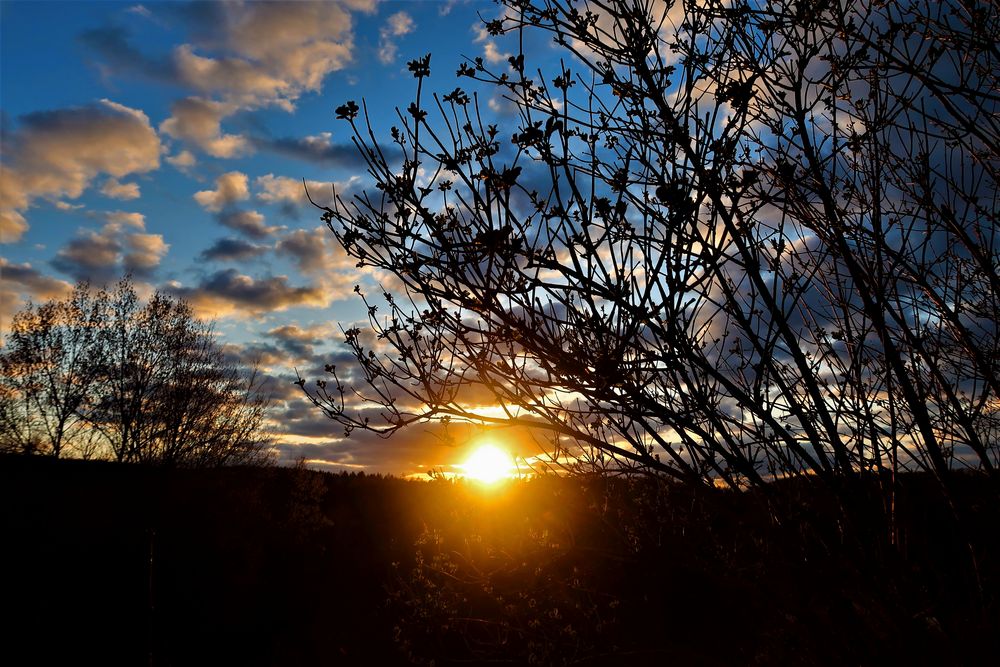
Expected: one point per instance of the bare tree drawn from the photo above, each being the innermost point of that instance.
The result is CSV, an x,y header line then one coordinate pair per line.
x,y
144,382
726,241
46,374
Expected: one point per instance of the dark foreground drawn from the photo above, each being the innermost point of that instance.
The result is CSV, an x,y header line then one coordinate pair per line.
x,y
108,565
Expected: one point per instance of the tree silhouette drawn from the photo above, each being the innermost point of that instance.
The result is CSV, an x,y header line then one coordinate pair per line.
x,y
104,374
48,371
726,241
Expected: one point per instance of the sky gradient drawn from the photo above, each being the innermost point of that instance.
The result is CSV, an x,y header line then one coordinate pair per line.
x,y
170,140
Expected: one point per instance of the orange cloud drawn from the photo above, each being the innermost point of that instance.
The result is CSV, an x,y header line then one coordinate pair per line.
x,y
199,122
231,187
116,190
58,154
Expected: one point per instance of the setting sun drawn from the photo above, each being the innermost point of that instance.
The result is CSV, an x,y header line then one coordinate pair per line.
x,y
488,464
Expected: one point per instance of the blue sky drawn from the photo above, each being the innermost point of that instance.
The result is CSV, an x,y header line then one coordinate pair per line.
x,y
170,140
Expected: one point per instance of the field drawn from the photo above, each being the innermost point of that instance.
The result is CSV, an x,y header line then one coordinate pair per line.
x,y
116,564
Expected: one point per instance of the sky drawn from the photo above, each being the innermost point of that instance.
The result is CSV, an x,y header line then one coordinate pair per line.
x,y
170,140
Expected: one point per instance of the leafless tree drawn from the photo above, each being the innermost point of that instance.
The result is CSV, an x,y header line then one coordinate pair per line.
x,y
142,382
725,241
47,373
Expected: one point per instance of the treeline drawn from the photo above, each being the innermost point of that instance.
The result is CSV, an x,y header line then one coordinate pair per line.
x,y
102,374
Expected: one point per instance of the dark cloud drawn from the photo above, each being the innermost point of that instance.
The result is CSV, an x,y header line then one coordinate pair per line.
x,y
32,280
121,246
307,248
250,223
314,149
295,340
228,292
233,250
112,45
23,281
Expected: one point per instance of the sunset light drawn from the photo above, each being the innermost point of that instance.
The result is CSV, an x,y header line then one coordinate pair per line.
x,y
488,464
518,332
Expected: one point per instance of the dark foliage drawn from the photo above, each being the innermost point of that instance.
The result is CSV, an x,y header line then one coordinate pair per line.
x,y
278,566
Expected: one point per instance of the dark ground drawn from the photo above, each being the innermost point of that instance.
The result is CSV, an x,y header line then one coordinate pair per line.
x,y
109,564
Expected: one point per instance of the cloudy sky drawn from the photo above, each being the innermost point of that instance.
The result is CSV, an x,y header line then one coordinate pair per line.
x,y
170,140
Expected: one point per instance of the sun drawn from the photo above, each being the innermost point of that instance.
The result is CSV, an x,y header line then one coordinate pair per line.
x,y
488,464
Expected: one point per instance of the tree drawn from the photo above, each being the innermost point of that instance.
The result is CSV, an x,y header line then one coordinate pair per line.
x,y
48,372
726,241
144,382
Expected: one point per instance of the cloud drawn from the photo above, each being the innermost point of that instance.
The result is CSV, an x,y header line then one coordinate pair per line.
x,y
493,54
307,248
396,25
306,432
239,56
250,223
230,188
12,224
399,24
264,356
111,43
58,154
254,54
297,341
116,190
317,253
199,122
250,54
228,292
233,250
120,246
183,161
22,282
282,190
318,149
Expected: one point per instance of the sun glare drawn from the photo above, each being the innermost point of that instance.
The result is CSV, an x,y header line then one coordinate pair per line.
x,y
488,464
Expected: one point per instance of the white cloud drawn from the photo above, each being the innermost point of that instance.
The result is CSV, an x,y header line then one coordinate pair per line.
x,y
397,25
492,54
231,187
